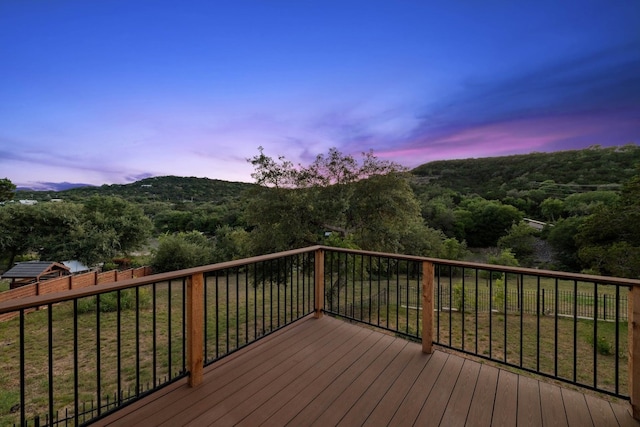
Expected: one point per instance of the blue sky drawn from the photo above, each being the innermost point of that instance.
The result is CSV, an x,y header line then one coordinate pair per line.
x,y
113,91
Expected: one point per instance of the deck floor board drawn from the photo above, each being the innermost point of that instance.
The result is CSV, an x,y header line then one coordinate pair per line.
x,y
329,372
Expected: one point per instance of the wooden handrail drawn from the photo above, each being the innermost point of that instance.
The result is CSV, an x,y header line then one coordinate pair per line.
x,y
36,301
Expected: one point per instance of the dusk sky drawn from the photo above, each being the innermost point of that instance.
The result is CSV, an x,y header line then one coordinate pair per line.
x,y
113,91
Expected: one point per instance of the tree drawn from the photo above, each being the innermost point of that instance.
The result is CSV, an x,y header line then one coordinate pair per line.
x,y
562,238
7,190
182,250
368,203
520,239
231,243
111,226
609,239
552,208
46,230
483,222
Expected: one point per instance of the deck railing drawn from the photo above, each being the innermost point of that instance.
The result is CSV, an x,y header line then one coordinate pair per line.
x,y
576,328
86,353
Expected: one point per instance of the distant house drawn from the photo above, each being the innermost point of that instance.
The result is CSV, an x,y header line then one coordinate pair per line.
x,y
27,202
25,273
76,267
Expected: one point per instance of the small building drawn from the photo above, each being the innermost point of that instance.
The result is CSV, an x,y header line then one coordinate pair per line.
x,y
76,267
25,273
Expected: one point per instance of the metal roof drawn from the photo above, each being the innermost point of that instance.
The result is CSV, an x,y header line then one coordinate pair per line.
x,y
34,270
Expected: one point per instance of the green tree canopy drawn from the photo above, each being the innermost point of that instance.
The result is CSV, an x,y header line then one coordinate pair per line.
x,y
367,203
182,250
7,190
609,239
482,222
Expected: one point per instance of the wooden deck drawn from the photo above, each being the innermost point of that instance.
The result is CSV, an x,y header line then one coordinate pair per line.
x,y
327,372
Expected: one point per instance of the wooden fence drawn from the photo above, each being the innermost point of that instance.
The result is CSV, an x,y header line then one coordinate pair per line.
x,y
66,283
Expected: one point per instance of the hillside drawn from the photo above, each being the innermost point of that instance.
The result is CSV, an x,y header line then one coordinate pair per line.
x,y
571,171
164,188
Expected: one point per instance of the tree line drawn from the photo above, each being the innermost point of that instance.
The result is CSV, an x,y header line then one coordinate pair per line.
x,y
442,209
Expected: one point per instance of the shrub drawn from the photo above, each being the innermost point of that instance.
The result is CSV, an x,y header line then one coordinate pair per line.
x,y
469,300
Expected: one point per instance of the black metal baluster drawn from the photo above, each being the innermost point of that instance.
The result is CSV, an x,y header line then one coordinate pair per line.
x,y
575,330
538,313
237,279
379,273
169,333
246,305
76,395
278,288
388,288
255,301
119,344
595,335
353,286
264,275
450,308
418,298
476,311
617,339
439,296
506,308
217,317
370,289
361,285
398,296
50,357
22,368
227,312
137,340
408,299
462,307
184,325
98,361
155,327
555,331
521,306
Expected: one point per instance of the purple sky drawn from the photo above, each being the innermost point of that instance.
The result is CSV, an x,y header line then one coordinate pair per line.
x,y
112,91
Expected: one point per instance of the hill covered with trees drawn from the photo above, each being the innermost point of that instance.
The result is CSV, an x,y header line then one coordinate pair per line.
x,y
561,172
160,188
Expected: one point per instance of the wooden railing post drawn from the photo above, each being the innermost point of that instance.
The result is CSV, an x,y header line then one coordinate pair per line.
x,y
427,306
195,328
319,283
634,351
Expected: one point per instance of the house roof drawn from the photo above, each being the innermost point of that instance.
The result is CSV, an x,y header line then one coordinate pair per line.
x,y
35,270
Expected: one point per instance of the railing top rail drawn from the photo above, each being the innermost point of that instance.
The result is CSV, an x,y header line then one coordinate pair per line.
x,y
40,300
29,302
605,280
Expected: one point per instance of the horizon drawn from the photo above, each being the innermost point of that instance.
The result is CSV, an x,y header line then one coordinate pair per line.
x,y
112,93
65,185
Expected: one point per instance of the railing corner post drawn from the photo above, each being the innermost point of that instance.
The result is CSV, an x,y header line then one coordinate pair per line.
x,y
195,328
634,351
319,283
427,306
